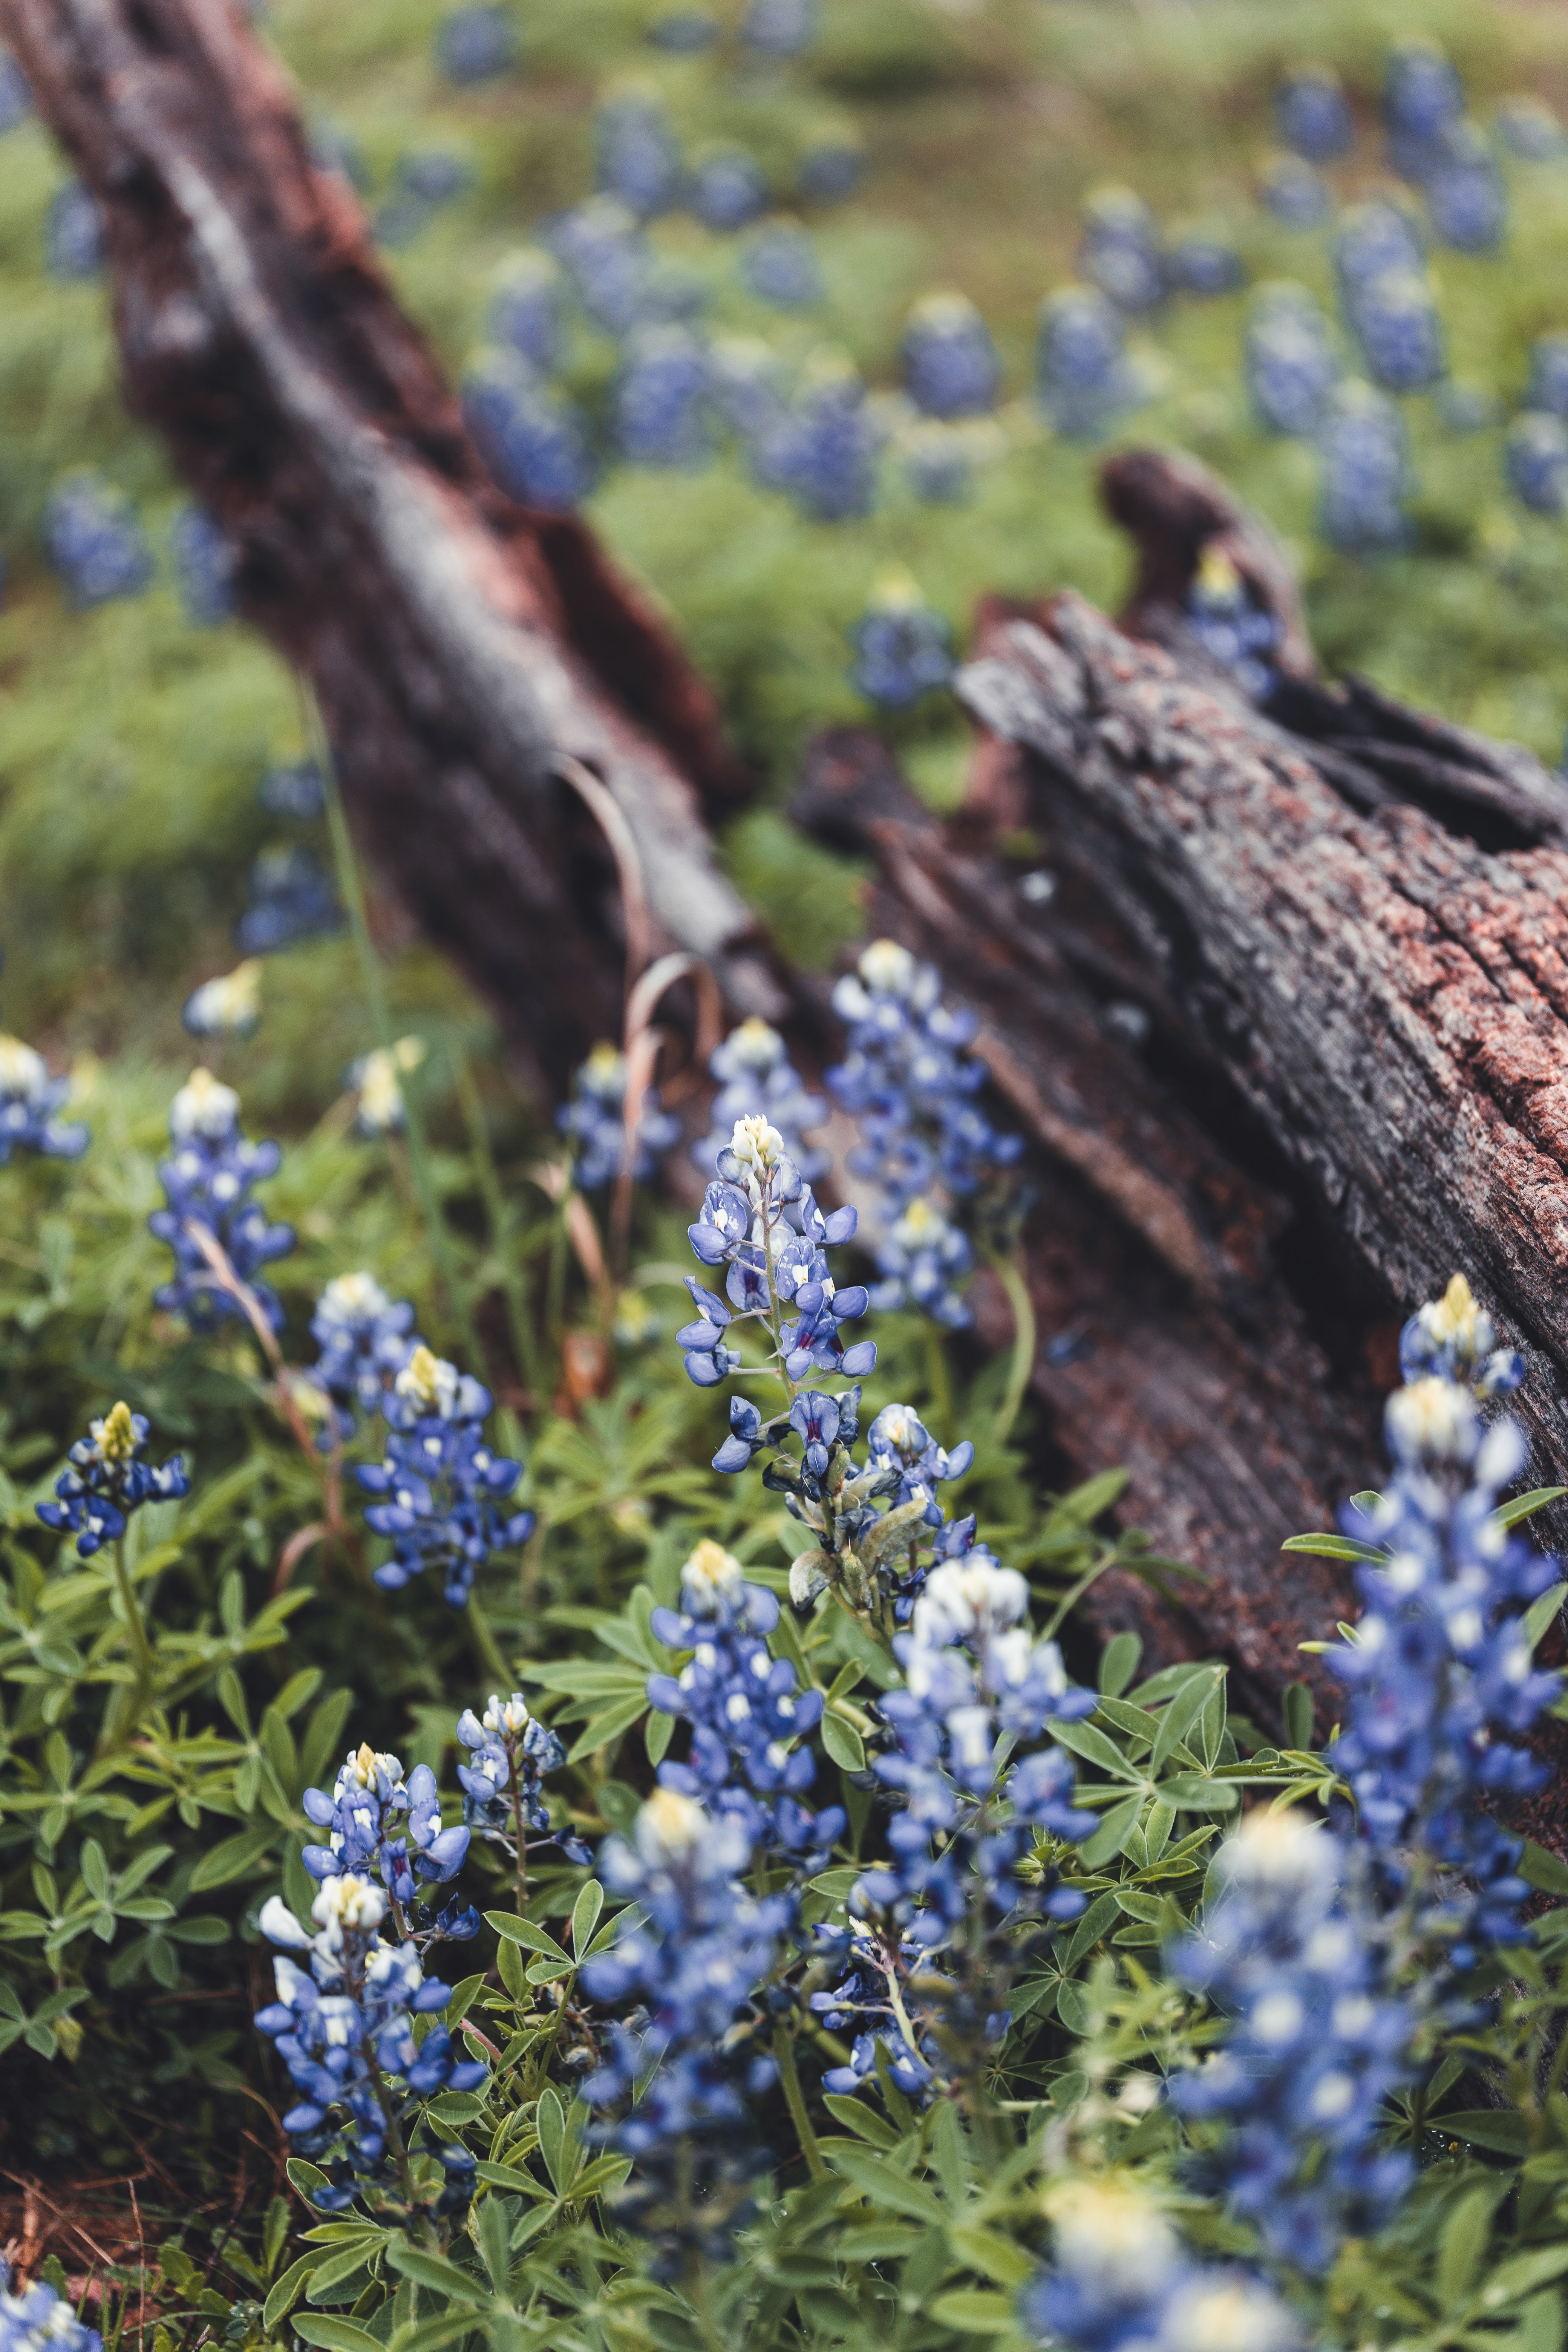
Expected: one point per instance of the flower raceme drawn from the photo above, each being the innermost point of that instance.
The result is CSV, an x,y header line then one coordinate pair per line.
x,y
509,1753
364,1341
1121,2281
29,1100
381,1824
441,1484
343,2023
35,2319
207,1181
104,1482
757,1079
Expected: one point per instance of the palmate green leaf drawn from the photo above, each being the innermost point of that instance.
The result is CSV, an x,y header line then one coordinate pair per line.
x,y
1181,1715
1525,1507
976,2311
1093,1746
843,1743
608,1727
286,2292
1113,1832
862,2120
1504,2131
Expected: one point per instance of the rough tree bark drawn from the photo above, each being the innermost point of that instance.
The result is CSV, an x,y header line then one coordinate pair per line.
x,y
459,645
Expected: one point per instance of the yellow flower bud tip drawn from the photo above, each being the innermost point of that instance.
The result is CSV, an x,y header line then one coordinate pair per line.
x,y
896,591
421,1376
1455,1314
117,1435
888,969
1217,577
365,1762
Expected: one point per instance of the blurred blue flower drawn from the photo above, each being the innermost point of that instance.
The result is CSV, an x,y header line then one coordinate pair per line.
x,y
95,541
638,161
1086,381
1202,266
1119,251
728,189
207,1182
510,1751
1231,627
532,440
73,234
903,648
1467,200
1312,115
684,32
525,309
950,362
824,452
661,398
365,1338
1119,2282
779,28
205,560
105,1481
780,266
35,2319
757,1079
922,1257
15,96
29,1102
1365,477
1530,130
831,171
228,1006
292,896
604,252
1297,197
1548,385
294,791
594,1121
1423,97
475,44
1290,362
1535,458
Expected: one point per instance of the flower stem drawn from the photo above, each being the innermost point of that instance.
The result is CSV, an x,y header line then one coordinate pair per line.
x,y
520,1827
139,1647
1026,1340
794,2099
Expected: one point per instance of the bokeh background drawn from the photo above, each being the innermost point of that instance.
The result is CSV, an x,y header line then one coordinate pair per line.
x,y
135,740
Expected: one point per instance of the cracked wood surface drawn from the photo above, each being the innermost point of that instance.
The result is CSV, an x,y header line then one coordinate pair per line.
x,y
458,643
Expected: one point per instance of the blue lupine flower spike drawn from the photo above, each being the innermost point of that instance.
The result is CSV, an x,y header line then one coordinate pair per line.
x,y
105,1481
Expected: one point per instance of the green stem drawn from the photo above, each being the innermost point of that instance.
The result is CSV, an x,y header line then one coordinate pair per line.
x,y
794,2099
139,1647
353,888
1026,1340
486,1646
514,1284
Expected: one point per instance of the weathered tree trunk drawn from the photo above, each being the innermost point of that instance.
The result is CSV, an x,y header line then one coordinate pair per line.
x,y
460,646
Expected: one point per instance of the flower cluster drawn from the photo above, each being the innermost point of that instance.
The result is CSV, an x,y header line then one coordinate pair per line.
x,y
292,896
29,1100
442,1484
728,190
381,1826
73,234
511,1753
228,1006
1290,364
1297,197
638,159
781,267
1121,2281
779,28
950,362
1423,100
662,398
94,539
757,1080
377,1079
910,1079
594,1121
1366,476
922,1257
1467,198
925,1968
1439,1668
1535,459
532,440
365,1340
206,1183
1232,627
344,2026
475,44
206,559
691,1965
1292,1953
902,647
1085,377
525,309
1312,115
34,2318
822,451
105,1481
762,1220
747,1715
15,96
1119,251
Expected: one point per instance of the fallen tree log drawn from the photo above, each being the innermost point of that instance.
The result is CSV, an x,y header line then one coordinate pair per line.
x,y
460,648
